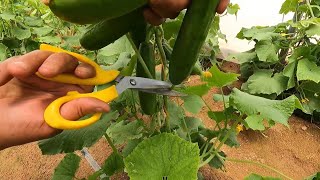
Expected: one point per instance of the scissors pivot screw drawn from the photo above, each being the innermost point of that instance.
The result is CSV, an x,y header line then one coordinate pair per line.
x,y
133,82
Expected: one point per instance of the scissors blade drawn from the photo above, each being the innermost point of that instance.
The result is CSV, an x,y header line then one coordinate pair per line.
x,y
145,85
166,92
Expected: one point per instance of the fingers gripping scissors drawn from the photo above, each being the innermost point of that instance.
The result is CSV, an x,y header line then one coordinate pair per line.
x,y
52,114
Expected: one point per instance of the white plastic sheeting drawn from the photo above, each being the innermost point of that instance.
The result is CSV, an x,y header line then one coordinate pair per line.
x,y
251,13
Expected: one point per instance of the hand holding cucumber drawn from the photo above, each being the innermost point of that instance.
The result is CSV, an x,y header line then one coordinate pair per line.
x,y
155,12
158,10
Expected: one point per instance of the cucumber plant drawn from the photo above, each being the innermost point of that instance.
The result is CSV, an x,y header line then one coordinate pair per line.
x,y
160,137
285,58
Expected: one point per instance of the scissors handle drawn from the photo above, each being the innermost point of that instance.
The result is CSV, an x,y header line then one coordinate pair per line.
x,y
54,119
102,76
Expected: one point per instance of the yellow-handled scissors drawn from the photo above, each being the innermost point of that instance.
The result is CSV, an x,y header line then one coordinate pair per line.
x,y
52,114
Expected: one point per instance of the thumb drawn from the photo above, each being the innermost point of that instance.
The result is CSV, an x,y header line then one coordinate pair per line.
x,y
78,108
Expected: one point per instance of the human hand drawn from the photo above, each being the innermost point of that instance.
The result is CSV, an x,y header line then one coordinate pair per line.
x,y
24,96
160,9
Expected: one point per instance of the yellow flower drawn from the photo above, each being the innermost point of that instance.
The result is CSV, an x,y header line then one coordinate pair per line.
x,y
239,128
207,74
304,101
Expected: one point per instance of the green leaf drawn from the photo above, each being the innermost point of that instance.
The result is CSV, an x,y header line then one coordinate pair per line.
x,y
220,97
219,78
314,177
96,175
172,26
176,114
119,46
233,9
11,43
3,52
21,33
33,21
289,6
264,82
67,168
267,51
113,164
72,140
123,60
164,156
276,110
209,134
192,126
7,15
217,162
130,146
290,72
258,33
42,31
313,30
308,70
310,97
244,57
193,103
255,122
31,45
217,116
199,90
50,40
121,132
300,53
232,138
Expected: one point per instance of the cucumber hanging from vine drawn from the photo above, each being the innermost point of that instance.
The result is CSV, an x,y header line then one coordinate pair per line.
x,y
92,11
140,37
192,35
196,69
108,31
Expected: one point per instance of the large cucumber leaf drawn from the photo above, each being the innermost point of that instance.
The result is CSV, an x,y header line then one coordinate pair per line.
x,y
164,156
72,140
122,132
67,168
308,70
276,110
264,82
219,78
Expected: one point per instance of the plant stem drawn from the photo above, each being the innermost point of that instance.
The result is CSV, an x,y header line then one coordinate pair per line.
x,y
165,100
217,124
255,163
310,8
228,134
162,53
114,149
186,127
221,144
159,36
224,109
141,61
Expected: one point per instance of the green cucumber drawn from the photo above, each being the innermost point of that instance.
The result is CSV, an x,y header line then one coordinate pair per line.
x,y
192,35
196,69
92,11
148,101
108,31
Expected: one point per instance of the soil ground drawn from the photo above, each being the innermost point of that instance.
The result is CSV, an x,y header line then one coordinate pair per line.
x,y
295,151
